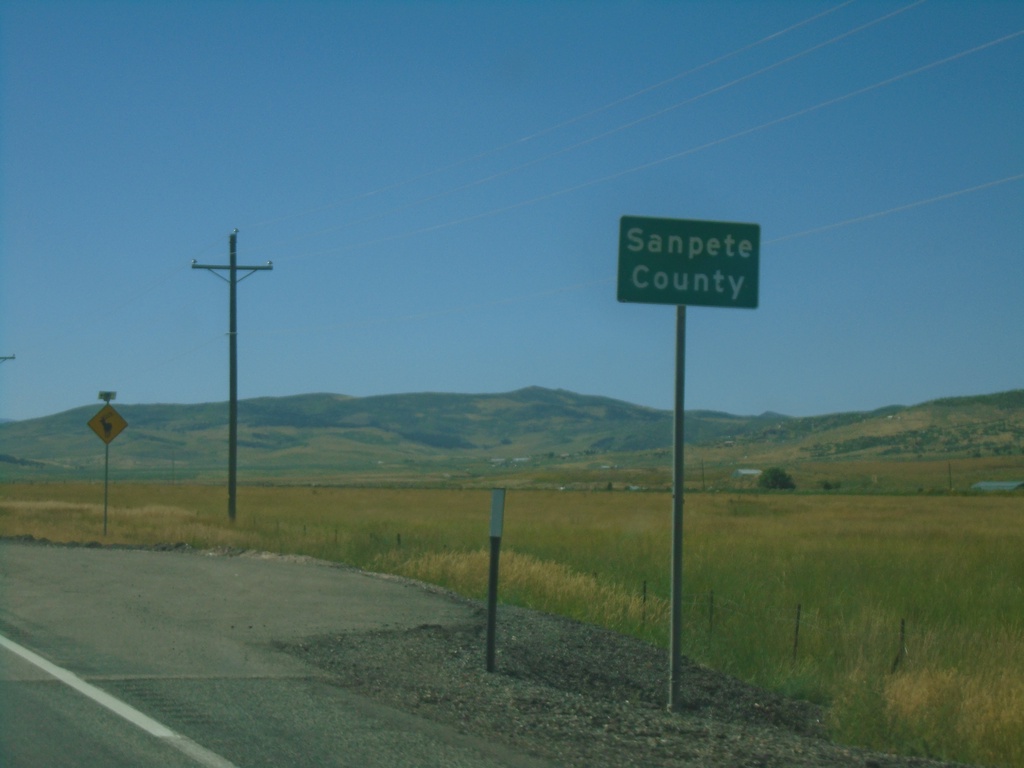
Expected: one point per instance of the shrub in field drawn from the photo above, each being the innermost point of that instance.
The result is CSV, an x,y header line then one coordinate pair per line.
x,y
776,478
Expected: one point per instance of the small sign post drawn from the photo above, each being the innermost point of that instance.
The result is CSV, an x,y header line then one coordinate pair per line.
x,y
497,520
107,424
685,262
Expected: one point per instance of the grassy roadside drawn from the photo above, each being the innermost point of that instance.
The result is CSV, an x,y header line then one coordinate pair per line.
x,y
947,567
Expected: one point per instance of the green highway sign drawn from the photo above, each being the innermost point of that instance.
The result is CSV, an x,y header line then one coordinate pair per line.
x,y
689,263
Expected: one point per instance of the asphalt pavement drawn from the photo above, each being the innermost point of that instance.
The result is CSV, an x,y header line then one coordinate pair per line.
x,y
184,646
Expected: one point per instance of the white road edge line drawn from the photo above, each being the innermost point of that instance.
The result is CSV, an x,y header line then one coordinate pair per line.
x,y
183,744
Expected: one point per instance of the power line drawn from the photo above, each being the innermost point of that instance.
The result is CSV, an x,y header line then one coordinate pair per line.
x,y
577,119
795,235
701,147
430,314
477,306
145,290
612,131
897,209
718,89
675,155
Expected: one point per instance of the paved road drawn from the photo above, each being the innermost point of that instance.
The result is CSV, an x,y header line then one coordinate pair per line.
x,y
184,643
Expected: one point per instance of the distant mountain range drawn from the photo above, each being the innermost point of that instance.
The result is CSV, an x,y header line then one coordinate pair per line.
x,y
330,436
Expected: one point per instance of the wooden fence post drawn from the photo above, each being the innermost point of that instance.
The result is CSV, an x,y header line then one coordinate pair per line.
x,y
796,632
711,611
902,651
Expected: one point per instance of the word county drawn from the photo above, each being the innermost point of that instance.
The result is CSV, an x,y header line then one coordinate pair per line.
x,y
691,247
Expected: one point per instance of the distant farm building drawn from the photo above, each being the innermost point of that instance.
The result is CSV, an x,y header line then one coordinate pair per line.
x,y
746,474
745,478
998,485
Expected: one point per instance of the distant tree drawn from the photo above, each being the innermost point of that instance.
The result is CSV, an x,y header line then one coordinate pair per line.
x,y
776,478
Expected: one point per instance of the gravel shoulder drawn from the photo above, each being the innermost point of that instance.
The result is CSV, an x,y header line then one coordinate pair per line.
x,y
579,695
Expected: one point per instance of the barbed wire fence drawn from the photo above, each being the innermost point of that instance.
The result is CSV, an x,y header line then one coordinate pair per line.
x,y
793,625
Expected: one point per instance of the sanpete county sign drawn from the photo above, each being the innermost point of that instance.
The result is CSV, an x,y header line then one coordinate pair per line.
x,y
693,263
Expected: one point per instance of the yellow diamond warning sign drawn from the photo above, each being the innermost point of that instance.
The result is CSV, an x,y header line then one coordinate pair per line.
x,y
107,424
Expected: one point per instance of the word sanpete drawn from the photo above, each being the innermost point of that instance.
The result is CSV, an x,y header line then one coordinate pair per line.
x,y
689,262
693,246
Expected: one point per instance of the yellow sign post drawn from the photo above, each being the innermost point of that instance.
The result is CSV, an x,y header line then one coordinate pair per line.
x,y
107,424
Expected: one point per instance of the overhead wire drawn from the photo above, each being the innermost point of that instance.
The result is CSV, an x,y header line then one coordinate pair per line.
x,y
573,287
135,296
897,209
430,314
616,130
568,122
161,280
143,291
668,158
673,156
128,298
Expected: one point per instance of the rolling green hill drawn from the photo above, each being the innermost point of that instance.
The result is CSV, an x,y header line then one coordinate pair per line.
x,y
335,438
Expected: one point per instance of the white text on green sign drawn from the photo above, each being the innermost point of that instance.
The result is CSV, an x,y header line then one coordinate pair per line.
x,y
696,263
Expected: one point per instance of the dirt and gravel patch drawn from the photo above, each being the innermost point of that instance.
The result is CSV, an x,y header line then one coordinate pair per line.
x,y
579,695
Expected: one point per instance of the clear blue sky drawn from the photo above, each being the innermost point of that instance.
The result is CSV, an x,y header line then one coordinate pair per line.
x,y
439,187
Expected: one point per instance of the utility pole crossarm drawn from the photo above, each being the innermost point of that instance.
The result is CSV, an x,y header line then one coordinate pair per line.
x,y
268,265
233,270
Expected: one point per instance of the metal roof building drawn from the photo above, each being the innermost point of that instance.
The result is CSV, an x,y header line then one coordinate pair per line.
x,y
998,485
746,473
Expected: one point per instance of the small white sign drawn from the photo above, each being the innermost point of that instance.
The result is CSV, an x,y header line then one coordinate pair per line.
x,y
497,512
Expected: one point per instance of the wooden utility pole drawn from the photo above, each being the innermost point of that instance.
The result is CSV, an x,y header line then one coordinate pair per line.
x,y
233,280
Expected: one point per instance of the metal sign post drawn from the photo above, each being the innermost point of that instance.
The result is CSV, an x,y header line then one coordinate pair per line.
x,y
497,521
107,424
676,596
681,262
